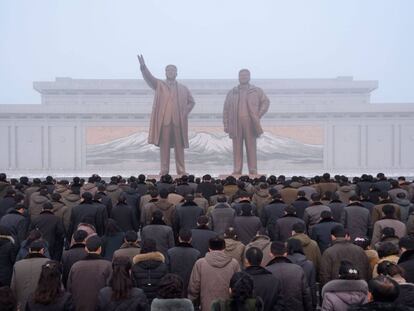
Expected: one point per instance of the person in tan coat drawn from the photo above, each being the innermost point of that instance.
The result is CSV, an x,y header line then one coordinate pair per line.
x,y
169,118
234,248
310,247
211,275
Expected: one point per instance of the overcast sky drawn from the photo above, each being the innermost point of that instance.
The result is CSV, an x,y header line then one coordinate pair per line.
x,y
369,40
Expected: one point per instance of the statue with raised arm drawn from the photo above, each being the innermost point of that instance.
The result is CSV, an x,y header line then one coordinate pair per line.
x,y
169,117
244,106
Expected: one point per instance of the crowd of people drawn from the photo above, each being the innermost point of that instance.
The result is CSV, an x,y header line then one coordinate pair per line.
x,y
264,243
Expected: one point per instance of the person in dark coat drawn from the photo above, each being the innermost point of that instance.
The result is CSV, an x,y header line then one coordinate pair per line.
x,y
186,214
160,232
124,215
283,226
112,240
297,256
406,260
201,235
49,295
88,276
51,227
24,250
342,249
121,294
207,188
321,232
88,209
102,197
273,211
246,225
8,251
133,198
266,285
7,299
301,203
142,187
182,257
295,290
337,207
16,221
75,253
222,216
356,219
148,268
7,202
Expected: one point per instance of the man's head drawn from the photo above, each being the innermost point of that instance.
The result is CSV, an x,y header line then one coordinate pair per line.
x,y
278,249
94,245
244,76
253,257
80,236
298,227
216,244
338,232
37,246
383,289
171,72
131,237
184,236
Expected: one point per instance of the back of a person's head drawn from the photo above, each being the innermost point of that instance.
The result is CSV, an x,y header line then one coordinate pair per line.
x,y
389,268
326,215
299,227
230,233
338,232
202,220
93,244
49,285
80,236
121,281
362,242
254,256
131,236
148,246
241,284
87,197
315,197
386,249
163,193
383,289
294,246
216,244
171,286
8,301
407,242
157,216
348,271
185,235
278,248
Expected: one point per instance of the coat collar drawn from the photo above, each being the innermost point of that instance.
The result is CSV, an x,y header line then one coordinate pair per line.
x,y
257,270
34,255
91,256
277,260
156,256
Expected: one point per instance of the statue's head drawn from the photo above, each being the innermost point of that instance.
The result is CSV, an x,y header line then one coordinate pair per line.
x,y
244,76
171,72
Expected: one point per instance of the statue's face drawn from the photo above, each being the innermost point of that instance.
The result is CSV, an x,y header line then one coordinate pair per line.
x,y
171,72
244,76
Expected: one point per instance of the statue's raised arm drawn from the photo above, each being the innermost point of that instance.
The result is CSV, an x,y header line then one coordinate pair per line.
x,y
146,74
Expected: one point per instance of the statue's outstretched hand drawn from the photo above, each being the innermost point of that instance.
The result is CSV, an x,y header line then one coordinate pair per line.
x,y
141,59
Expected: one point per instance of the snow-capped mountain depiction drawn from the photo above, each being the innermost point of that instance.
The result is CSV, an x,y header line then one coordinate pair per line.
x,y
206,149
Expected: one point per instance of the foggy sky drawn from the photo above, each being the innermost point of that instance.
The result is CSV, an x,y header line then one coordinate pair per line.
x,y
369,40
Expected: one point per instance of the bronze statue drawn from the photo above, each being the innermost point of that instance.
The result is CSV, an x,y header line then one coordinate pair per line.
x,y
169,118
244,106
